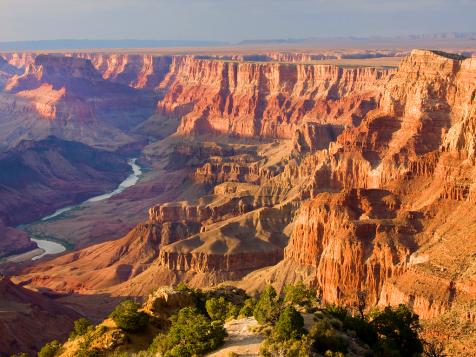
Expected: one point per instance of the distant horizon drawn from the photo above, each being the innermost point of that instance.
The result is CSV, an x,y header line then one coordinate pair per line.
x,y
229,21
446,38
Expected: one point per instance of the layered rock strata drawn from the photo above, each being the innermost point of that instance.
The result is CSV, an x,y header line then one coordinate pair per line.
x,y
253,99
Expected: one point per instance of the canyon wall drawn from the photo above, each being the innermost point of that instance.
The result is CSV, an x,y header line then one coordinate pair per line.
x,y
136,71
253,99
414,146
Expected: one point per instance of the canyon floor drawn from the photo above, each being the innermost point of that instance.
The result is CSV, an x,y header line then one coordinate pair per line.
x,y
350,170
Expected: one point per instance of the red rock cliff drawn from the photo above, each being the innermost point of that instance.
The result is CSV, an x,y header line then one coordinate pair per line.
x,y
267,99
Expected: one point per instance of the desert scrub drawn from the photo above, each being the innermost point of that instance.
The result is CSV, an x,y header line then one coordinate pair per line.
x,y
128,317
191,333
50,349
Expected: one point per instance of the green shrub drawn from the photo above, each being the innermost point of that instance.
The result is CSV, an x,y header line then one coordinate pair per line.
x,y
398,330
197,295
300,295
217,308
325,338
191,334
50,349
363,329
233,311
289,326
268,307
248,308
81,327
128,317
288,348
338,312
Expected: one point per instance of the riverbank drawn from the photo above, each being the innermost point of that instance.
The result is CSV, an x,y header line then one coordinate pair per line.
x,y
48,245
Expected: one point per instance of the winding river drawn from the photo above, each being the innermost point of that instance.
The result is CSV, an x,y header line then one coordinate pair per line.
x,y
51,247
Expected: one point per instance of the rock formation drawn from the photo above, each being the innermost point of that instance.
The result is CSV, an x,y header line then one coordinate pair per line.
x,y
6,71
271,100
136,71
414,146
28,320
67,97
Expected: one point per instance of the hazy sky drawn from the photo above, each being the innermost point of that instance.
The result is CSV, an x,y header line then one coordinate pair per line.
x,y
230,20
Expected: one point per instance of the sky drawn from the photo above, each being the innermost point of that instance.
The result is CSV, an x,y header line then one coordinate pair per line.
x,y
229,20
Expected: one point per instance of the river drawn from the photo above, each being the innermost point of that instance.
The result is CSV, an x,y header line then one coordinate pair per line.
x,y
53,247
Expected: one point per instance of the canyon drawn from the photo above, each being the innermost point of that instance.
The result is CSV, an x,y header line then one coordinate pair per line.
x,y
258,169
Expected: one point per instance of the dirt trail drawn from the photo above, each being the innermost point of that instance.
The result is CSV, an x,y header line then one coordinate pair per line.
x,y
240,340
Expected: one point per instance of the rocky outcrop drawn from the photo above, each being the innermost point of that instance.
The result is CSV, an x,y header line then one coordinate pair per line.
x,y
166,301
354,239
136,71
6,71
218,207
20,60
253,99
74,87
235,246
311,137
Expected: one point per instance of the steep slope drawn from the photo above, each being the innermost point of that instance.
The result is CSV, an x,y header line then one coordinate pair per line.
x,y
13,241
6,71
50,174
28,319
104,265
136,71
258,99
416,148
68,97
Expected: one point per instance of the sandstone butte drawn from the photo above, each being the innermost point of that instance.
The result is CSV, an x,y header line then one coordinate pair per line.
x,y
352,179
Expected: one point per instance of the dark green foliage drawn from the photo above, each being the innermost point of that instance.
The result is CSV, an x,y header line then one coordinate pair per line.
x,y
325,338
288,336
268,307
217,308
23,354
233,311
290,325
197,295
128,317
248,308
364,330
191,334
300,295
338,312
81,327
50,349
398,331
221,310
